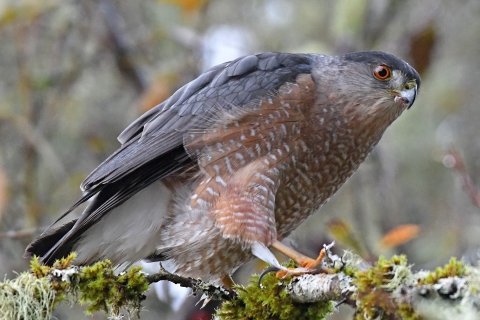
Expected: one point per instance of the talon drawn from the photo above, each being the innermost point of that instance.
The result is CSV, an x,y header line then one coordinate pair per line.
x,y
339,303
265,272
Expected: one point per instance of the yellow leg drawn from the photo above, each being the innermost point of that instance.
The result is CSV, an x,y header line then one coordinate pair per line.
x,y
228,282
300,259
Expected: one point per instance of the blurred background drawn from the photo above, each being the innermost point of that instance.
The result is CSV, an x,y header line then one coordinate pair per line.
x,y
73,74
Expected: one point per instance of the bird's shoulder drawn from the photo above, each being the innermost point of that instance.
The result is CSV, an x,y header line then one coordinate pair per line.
x,y
231,83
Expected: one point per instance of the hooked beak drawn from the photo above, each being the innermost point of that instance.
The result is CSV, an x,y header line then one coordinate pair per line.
x,y
407,97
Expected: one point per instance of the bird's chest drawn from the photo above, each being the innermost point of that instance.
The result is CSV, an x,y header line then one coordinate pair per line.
x,y
331,153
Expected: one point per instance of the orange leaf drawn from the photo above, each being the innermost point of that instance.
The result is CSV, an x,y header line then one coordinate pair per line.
x,y
187,6
399,235
158,91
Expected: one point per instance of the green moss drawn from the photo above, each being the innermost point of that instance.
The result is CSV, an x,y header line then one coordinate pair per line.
x,y
38,269
101,289
453,268
270,301
349,271
405,312
96,286
381,274
64,263
376,284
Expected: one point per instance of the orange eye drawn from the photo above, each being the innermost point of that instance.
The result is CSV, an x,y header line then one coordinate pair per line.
x,y
382,72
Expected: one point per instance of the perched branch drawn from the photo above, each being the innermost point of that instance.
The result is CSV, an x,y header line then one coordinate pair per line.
x,y
387,290
310,288
450,297
98,286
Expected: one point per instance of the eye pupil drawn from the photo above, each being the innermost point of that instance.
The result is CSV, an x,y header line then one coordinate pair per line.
x,y
382,72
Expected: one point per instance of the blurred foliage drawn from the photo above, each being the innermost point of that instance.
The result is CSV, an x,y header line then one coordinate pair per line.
x,y
75,73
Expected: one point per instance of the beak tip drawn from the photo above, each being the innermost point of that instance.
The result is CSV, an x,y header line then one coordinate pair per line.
x,y
407,97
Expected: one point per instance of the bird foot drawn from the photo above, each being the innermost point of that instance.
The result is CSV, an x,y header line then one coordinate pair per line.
x,y
307,266
294,272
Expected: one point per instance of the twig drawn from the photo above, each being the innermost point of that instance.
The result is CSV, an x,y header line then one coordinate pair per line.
x,y
120,47
454,160
212,291
21,233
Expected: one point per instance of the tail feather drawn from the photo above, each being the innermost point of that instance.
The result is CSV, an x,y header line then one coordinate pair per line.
x,y
56,243
41,245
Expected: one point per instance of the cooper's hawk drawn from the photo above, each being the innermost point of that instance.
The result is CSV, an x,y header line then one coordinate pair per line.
x,y
234,161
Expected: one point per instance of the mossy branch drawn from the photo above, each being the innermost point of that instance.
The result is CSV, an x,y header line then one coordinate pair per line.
x,y
35,294
387,290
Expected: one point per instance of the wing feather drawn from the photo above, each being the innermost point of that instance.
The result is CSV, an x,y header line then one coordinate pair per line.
x,y
231,84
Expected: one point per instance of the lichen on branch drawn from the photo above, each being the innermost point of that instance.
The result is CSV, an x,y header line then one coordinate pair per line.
x,y
389,289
